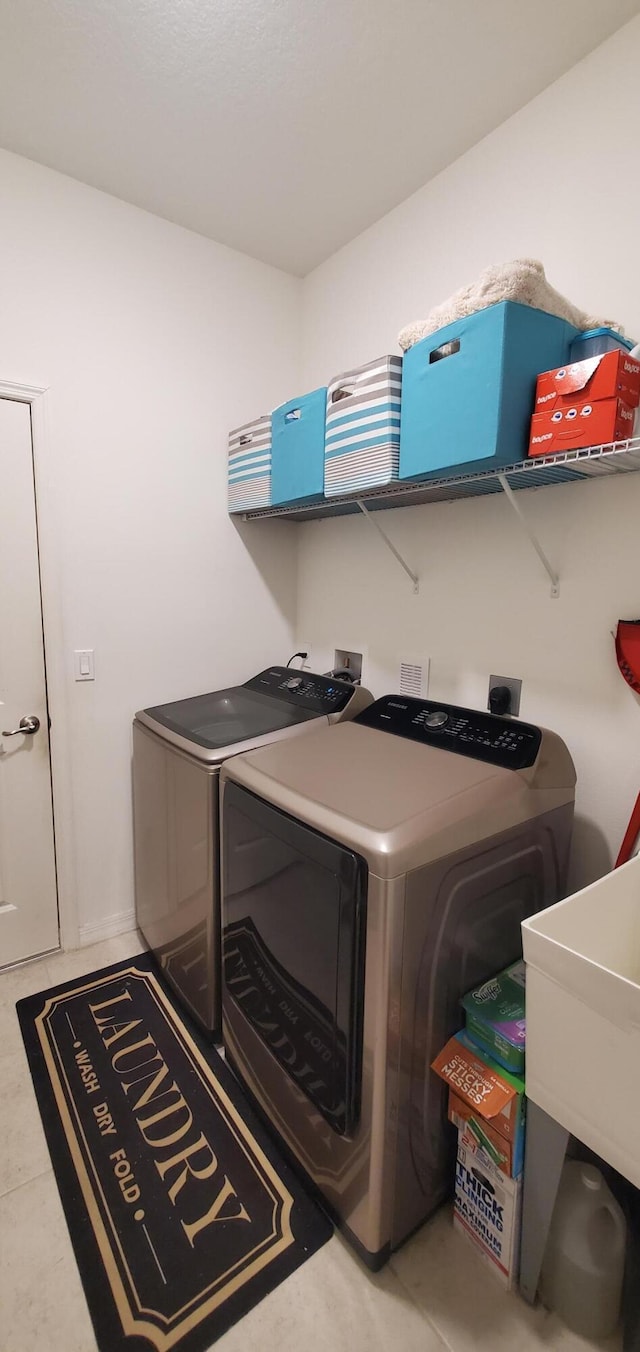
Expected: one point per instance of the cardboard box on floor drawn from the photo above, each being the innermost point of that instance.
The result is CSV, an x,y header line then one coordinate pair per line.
x,y
495,1017
481,1092
487,1208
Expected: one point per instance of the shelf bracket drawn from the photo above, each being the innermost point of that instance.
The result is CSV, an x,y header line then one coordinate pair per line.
x,y
390,546
511,498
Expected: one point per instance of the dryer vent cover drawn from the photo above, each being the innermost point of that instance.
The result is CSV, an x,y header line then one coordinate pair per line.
x,y
628,652
414,676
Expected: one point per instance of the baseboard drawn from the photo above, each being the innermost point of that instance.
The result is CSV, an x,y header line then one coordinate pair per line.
x,y
119,923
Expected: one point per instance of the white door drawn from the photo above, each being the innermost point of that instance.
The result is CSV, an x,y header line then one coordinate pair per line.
x,y
28,901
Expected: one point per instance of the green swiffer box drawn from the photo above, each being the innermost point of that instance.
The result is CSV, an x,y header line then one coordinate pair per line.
x,y
495,1017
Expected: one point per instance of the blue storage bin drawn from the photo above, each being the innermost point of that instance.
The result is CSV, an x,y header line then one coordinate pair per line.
x,y
362,441
468,390
249,466
594,342
297,449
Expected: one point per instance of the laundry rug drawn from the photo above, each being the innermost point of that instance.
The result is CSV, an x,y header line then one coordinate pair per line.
x,y
181,1214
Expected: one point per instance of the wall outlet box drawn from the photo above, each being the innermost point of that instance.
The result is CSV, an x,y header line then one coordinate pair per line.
x,y
304,663
514,685
350,661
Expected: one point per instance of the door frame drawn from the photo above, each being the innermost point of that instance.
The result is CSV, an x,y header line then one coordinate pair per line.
x,y
48,536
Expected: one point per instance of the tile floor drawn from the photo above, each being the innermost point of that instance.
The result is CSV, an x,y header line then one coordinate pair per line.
x,y
434,1295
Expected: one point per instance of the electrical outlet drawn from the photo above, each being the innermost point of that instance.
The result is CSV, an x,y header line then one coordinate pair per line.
x,y
514,686
352,662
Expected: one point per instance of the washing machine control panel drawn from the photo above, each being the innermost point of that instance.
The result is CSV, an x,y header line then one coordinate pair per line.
x,y
469,732
316,694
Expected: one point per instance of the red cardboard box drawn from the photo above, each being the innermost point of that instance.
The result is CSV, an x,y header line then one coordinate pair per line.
x,y
503,1154
612,375
494,1098
565,429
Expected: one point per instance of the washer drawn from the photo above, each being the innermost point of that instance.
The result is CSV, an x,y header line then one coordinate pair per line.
x,y
369,879
178,749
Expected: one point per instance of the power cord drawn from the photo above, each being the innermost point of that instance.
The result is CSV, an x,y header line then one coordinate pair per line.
x,y
304,657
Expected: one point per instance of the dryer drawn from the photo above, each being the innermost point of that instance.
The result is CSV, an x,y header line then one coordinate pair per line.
x,y
178,749
371,877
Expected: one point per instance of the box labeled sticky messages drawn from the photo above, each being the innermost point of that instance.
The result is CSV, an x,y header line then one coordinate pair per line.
x,y
495,1017
487,1208
249,466
612,375
566,429
362,440
481,1090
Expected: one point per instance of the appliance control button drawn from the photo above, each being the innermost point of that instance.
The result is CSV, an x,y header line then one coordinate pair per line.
x,y
436,719
294,683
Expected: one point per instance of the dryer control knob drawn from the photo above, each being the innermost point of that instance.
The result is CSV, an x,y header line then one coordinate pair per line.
x,y
294,683
436,719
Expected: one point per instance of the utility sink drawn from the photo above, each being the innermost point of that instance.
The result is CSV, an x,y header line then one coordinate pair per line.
x,y
583,1015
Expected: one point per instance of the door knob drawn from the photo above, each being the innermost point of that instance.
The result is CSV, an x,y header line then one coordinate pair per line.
x,y
26,727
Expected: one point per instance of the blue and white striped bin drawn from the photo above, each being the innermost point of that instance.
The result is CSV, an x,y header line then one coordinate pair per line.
x,y
249,472
362,438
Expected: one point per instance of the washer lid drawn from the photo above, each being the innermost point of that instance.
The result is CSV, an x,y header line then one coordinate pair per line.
x,y
227,716
215,725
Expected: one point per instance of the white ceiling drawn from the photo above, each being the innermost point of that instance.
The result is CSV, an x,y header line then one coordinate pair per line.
x,y
280,127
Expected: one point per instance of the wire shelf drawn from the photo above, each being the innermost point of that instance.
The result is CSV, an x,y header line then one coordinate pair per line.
x,y
592,462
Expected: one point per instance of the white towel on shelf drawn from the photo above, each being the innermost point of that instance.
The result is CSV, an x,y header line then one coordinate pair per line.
x,y
522,280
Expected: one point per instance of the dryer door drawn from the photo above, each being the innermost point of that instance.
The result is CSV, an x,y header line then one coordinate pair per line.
x,y
293,948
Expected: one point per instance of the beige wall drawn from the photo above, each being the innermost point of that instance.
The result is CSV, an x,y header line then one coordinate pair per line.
x,y
153,342
558,181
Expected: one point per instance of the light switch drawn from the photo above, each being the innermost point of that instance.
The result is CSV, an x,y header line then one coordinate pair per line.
x,y
83,665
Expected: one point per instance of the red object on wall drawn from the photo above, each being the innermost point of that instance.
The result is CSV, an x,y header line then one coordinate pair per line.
x,y
628,652
631,836
628,655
